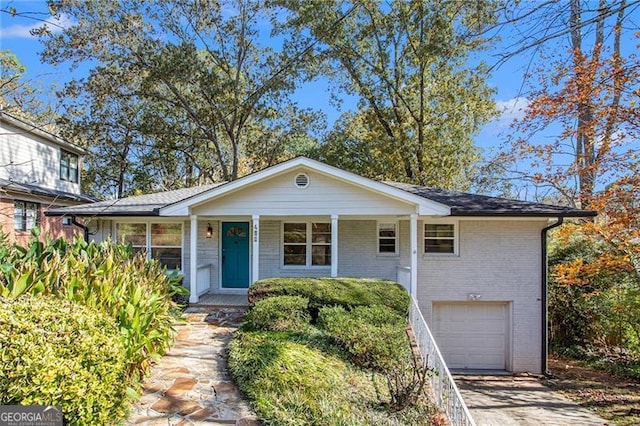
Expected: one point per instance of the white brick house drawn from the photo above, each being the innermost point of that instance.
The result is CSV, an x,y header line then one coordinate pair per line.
x,y
475,264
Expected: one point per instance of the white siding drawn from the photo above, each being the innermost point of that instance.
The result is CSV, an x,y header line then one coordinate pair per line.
x,y
500,261
32,160
208,250
279,196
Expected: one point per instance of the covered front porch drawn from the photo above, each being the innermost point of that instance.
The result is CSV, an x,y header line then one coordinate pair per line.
x,y
233,252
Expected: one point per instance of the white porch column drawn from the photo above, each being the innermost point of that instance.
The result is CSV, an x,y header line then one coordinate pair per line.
x,y
334,245
193,260
413,237
255,265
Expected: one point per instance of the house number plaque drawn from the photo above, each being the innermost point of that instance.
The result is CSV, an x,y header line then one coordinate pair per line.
x,y
255,232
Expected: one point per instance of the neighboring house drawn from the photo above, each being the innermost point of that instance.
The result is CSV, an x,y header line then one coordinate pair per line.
x,y
38,170
476,264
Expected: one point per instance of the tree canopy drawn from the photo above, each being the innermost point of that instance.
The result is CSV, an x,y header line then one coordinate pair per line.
x,y
420,102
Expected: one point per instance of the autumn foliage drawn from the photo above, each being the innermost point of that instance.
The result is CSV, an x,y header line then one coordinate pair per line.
x,y
579,142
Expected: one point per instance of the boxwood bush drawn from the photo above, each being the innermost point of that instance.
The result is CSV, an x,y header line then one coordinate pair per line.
x,y
346,292
135,292
373,336
279,313
55,352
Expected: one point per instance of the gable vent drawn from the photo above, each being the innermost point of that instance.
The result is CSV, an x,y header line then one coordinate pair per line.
x,y
302,180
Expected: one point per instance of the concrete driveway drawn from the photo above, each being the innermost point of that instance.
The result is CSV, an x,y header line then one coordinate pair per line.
x,y
519,400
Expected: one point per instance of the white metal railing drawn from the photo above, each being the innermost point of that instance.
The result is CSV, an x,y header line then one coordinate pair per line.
x,y
446,392
403,276
203,278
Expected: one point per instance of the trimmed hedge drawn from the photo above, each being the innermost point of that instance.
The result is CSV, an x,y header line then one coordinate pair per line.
x,y
373,336
346,292
279,313
55,352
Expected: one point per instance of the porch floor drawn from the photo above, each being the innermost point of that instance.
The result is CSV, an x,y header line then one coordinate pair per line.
x,y
211,299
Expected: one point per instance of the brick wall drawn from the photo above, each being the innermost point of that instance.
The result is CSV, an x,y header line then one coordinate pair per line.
x,y
51,225
501,261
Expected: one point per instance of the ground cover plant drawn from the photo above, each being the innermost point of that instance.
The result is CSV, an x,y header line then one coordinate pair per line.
x,y
329,358
133,292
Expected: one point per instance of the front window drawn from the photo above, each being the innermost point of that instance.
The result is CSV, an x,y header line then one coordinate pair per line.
x,y
133,234
68,166
162,242
307,244
439,238
387,238
26,215
166,244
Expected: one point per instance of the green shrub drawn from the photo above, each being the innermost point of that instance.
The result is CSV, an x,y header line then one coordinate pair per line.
x,y
55,352
279,313
347,292
132,290
373,336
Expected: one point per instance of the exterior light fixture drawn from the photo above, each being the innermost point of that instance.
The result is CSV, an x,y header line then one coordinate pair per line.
x,y
209,230
474,296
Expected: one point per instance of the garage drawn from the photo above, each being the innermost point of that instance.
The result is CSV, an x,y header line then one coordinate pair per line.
x,y
472,335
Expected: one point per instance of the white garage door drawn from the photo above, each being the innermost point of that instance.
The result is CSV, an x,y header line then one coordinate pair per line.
x,y
472,335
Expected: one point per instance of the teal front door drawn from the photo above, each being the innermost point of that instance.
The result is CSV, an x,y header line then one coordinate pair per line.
x,y
235,254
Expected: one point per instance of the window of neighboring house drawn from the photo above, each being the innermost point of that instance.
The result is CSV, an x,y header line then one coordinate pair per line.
x,y
439,238
387,238
307,244
163,243
68,166
26,215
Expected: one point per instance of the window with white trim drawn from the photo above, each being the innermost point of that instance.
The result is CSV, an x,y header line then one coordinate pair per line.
x,y
166,244
306,244
439,238
68,166
160,241
387,238
26,215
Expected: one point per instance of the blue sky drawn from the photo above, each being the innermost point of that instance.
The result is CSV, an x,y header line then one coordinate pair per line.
x,y
14,36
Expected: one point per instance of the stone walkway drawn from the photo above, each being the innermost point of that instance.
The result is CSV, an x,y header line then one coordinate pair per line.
x,y
190,384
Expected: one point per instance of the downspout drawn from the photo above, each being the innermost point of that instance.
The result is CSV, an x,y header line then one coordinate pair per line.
x,y
85,228
543,298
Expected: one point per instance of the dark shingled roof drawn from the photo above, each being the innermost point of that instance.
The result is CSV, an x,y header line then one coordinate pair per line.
x,y
27,188
139,205
463,204
460,203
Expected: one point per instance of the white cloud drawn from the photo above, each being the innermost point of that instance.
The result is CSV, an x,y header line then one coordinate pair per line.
x,y
511,109
54,23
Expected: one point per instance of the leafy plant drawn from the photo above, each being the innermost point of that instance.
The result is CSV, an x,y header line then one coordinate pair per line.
x,y
132,290
55,352
279,313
